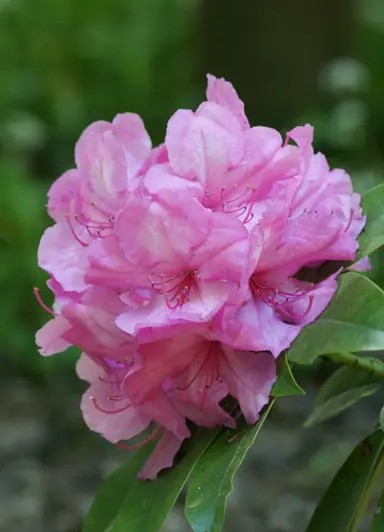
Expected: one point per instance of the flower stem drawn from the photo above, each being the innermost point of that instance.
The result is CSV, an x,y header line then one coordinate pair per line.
x,y
370,365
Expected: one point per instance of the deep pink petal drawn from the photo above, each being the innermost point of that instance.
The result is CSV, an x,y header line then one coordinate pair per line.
x,y
250,377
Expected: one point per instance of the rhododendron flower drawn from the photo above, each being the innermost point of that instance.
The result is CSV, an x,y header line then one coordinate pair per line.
x,y
177,270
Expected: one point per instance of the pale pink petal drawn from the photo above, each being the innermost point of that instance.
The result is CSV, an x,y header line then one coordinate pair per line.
x,y
109,266
198,148
256,326
162,457
129,129
63,194
50,337
223,93
93,326
224,254
361,265
250,377
302,135
61,255
88,370
114,420
160,179
162,410
160,237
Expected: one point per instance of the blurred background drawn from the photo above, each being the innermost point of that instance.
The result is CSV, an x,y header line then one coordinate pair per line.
x,y
65,63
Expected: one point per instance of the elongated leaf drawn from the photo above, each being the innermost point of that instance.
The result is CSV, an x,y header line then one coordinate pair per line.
x,y
286,383
211,480
322,272
354,321
344,503
342,380
125,503
381,419
345,387
373,235
339,403
378,520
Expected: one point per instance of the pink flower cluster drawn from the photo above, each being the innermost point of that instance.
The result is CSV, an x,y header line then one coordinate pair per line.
x,y
173,268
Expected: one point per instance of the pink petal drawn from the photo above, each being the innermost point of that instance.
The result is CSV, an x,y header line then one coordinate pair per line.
x,y
129,129
223,93
162,457
149,244
61,255
112,426
88,370
250,377
50,337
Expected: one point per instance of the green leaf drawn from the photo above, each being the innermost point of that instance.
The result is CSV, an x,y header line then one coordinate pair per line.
x,y
381,419
339,403
127,503
378,520
354,321
342,380
286,383
345,387
211,480
372,236
343,504
322,272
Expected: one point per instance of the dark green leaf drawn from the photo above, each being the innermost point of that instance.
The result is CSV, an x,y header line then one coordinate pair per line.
x,y
378,520
286,383
211,480
372,237
125,503
343,504
322,272
354,321
345,387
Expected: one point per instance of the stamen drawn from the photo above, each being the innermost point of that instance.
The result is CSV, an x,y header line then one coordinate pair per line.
x,y
94,227
175,295
209,370
117,398
109,382
42,304
351,213
104,411
272,297
245,204
207,202
183,388
69,221
304,314
151,437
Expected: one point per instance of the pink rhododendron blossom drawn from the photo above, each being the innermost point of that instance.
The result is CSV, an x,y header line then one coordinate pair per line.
x,y
177,270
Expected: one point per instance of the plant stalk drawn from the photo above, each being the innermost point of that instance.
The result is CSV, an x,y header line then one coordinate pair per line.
x,y
370,365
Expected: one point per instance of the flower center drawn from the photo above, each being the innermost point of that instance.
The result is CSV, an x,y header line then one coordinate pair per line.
x,y
176,289
97,223
207,372
230,201
279,299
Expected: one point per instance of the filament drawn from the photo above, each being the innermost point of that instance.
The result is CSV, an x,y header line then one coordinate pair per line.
x,y
151,437
42,304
